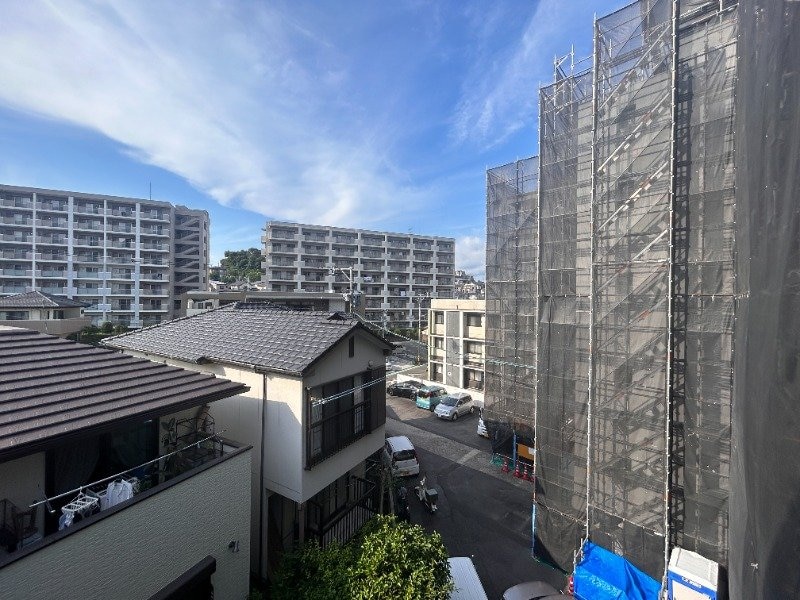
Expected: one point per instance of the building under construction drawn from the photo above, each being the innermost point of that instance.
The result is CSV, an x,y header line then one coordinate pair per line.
x,y
620,279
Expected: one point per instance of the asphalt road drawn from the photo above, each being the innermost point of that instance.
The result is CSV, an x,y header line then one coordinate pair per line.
x,y
483,513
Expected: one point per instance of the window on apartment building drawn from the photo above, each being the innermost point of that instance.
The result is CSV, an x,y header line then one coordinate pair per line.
x,y
438,318
475,320
351,346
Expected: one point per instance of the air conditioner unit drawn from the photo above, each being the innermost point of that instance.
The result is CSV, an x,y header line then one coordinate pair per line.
x,y
691,576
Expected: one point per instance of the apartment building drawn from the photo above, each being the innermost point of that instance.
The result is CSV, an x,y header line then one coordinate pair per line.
x,y
396,273
129,259
456,343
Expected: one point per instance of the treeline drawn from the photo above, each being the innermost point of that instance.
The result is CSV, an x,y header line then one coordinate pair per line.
x,y
239,265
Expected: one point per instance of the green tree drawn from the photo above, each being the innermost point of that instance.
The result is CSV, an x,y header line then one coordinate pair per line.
x,y
239,265
399,560
388,559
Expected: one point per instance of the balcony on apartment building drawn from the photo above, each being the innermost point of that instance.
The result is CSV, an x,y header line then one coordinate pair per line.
x,y
146,275
16,202
425,257
154,246
51,206
421,245
12,254
16,220
51,256
397,243
54,223
377,242
314,236
16,237
288,249
52,240
309,264
146,214
87,208
81,225
93,242
281,234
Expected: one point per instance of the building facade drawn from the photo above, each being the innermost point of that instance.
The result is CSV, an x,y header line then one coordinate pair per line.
x,y
396,273
129,259
456,343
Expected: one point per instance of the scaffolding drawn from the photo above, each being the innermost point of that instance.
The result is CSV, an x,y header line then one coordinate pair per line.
x,y
511,256
565,134
625,374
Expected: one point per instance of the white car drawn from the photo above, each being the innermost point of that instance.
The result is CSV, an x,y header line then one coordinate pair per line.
x,y
400,455
453,406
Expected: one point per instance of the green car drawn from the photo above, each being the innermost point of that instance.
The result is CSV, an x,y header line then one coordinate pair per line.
x,y
429,396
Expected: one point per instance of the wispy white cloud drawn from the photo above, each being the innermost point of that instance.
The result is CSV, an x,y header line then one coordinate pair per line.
x,y
241,100
471,255
500,94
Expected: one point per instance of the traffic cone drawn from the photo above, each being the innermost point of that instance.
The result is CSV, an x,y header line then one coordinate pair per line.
x,y
525,474
517,474
505,468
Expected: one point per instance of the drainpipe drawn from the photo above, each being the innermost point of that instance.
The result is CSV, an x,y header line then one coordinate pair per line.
x,y
262,568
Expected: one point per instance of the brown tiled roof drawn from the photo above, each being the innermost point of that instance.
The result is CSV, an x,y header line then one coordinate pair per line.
x,y
51,388
258,334
39,300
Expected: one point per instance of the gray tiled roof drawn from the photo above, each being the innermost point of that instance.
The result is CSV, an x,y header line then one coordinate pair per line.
x,y
39,300
52,387
257,334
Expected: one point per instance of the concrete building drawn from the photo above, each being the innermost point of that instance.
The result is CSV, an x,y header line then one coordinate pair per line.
x,y
198,301
315,411
46,313
395,272
129,259
112,480
456,343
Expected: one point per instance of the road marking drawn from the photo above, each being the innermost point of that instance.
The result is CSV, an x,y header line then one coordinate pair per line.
x,y
468,456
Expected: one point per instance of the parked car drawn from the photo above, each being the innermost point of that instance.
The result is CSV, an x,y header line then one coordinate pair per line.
x,y
404,389
453,406
482,431
534,590
400,455
429,396
466,583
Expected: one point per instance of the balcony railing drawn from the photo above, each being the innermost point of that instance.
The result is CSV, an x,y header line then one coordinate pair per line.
x,y
330,429
360,505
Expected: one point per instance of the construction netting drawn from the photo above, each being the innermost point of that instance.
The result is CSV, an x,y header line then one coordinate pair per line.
x,y
511,257
632,287
765,470
565,134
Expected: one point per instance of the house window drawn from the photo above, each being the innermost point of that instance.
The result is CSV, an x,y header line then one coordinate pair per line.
x,y
351,346
339,414
438,318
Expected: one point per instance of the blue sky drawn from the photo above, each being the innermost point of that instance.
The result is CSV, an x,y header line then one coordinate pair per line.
x,y
381,115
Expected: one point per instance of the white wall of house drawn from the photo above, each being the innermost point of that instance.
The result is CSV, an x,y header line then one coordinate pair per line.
x,y
137,551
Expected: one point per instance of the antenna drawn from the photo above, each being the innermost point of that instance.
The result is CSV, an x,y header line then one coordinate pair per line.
x,y
151,190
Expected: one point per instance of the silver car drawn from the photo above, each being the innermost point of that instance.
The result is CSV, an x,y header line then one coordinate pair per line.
x,y
453,406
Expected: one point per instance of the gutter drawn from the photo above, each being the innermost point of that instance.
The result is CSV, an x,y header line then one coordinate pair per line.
x,y
262,568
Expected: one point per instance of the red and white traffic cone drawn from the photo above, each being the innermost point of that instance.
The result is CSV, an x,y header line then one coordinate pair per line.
x,y
525,474
517,474
505,468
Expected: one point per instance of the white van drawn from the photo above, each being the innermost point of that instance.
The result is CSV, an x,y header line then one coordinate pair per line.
x,y
468,585
399,454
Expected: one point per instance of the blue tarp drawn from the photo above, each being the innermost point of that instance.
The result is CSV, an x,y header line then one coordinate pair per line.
x,y
602,575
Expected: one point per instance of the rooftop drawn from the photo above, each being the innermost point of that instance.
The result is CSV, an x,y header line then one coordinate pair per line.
x,y
259,335
39,300
51,388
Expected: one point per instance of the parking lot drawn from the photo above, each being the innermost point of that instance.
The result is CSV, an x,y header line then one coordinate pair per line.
x,y
483,512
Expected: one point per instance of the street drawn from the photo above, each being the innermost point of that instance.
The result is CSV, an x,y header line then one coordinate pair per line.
x,y
483,513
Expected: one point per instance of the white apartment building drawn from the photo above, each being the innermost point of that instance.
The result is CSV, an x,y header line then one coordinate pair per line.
x,y
456,342
396,273
129,259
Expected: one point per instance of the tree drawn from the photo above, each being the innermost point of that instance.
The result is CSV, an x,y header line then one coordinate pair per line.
x,y
239,265
399,560
387,559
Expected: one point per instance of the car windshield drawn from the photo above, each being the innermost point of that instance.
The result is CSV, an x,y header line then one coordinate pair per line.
x,y
425,393
449,401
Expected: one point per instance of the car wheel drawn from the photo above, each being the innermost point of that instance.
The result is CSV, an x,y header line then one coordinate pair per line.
x,y
455,415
